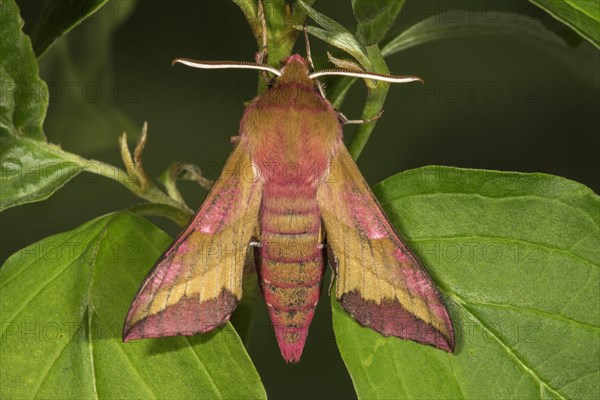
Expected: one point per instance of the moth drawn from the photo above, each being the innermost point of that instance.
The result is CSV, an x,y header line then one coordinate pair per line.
x,y
291,189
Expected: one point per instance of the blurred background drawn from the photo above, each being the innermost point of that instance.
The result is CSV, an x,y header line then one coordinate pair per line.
x,y
496,102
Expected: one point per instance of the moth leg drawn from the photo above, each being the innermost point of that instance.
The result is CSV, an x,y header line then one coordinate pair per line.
x,y
321,88
234,140
332,281
194,173
180,171
345,121
333,261
308,53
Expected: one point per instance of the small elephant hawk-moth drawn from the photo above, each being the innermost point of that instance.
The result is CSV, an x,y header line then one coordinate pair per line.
x,y
291,188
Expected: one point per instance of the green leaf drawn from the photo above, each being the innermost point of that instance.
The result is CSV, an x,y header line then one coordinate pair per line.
x,y
23,95
517,259
375,18
336,35
64,300
323,20
30,169
581,15
58,18
470,25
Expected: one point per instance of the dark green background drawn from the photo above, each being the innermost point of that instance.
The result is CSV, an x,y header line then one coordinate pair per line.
x,y
545,119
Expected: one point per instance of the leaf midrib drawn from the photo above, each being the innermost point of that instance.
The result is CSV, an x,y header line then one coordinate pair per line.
x,y
97,242
102,232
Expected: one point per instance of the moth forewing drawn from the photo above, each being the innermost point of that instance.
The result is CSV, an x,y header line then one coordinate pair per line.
x,y
197,283
380,282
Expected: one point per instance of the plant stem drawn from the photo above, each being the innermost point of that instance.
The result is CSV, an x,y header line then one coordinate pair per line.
x,y
374,104
281,20
149,193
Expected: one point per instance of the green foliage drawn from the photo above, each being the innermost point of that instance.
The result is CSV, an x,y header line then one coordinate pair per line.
x,y
516,257
336,35
63,303
59,17
375,18
29,168
29,171
433,29
581,15
24,95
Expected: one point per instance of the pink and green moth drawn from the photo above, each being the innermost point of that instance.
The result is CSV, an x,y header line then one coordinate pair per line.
x,y
291,189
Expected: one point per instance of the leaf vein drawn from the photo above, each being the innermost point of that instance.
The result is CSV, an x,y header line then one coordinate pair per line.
x,y
120,348
503,345
451,358
212,379
23,267
580,378
511,240
32,297
47,373
521,196
584,237
539,312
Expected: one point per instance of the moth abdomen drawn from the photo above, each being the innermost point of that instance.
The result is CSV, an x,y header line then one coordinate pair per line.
x,y
291,267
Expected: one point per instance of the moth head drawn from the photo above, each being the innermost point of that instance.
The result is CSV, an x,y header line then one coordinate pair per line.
x,y
295,59
295,69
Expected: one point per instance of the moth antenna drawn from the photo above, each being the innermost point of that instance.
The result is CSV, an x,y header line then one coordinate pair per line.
x,y
366,75
225,65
